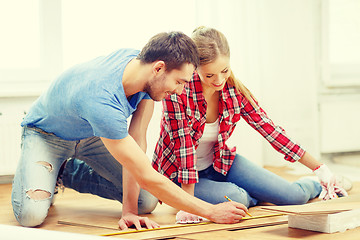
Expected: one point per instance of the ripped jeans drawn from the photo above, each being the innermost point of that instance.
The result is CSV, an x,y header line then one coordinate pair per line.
x,y
93,171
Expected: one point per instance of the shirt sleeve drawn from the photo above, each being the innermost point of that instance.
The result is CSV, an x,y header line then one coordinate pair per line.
x,y
275,135
179,129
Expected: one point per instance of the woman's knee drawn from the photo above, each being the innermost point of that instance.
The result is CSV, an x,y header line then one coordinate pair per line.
x,y
147,202
238,194
302,191
297,199
295,196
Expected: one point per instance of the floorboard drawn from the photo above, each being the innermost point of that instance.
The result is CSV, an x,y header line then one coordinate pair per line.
x,y
87,214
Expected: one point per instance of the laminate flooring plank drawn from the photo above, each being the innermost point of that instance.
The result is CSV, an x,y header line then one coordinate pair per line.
x,y
277,232
85,208
212,227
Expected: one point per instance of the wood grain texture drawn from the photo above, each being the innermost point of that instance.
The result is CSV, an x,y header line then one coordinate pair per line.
x,y
103,216
324,207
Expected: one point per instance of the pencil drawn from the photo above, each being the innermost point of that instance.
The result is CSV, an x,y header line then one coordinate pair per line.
x,y
227,198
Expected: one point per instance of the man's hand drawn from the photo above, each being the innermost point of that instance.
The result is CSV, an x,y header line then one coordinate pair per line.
x,y
228,212
130,219
330,188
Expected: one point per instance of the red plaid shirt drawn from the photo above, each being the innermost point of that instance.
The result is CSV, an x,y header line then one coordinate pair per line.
x,y
183,122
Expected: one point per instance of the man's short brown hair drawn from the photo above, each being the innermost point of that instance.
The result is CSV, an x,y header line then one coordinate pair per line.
x,y
174,48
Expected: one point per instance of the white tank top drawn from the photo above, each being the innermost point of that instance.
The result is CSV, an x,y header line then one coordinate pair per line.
x,y
205,150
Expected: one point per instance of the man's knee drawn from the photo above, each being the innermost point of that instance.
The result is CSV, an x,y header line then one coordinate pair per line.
x,y
34,212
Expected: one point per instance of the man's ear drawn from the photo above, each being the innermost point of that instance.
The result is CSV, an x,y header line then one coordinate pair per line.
x,y
159,66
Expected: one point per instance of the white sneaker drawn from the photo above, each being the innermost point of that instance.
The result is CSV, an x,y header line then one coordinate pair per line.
x,y
344,182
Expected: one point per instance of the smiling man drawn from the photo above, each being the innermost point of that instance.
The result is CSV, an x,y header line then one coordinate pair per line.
x,y
83,117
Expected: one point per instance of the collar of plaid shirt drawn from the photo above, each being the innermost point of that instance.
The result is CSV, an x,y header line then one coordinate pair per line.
x,y
182,164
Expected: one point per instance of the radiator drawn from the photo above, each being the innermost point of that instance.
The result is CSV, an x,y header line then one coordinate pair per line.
x,y
10,140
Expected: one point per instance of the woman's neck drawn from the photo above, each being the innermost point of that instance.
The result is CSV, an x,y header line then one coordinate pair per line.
x,y
212,99
208,92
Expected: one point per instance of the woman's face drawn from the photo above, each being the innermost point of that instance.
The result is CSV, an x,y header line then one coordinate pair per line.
x,y
214,75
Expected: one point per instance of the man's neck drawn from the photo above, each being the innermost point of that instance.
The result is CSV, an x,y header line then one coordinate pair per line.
x,y
135,77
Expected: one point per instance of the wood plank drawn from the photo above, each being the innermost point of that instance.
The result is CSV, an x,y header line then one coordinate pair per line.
x,y
72,206
164,215
322,207
276,232
184,231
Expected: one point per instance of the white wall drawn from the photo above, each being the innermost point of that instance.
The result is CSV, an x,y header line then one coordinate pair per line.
x,y
12,110
290,70
275,47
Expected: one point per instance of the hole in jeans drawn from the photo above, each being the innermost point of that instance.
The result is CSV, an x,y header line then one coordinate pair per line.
x,y
47,165
38,194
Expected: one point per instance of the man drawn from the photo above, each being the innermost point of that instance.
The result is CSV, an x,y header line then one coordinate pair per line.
x,y
83,115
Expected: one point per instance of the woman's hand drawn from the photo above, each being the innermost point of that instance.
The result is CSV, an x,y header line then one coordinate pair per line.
x,y
185,217
330,187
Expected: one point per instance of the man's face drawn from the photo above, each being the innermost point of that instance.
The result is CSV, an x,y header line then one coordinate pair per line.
x,y
167,83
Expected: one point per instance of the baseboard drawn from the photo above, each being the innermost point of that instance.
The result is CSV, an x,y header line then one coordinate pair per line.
x,y
348,159
6,179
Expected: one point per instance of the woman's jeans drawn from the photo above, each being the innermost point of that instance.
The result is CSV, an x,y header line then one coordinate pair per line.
x,y
250,184
90,168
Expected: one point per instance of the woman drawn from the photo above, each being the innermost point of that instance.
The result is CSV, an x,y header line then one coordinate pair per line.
x,y
192,148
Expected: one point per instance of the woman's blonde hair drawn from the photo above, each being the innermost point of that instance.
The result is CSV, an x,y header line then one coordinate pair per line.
x,y
210,44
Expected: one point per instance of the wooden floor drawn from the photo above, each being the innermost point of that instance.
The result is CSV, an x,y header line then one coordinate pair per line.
x,y
88,214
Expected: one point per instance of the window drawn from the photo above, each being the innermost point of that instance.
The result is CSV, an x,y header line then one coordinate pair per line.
x,y
341,43
30,45
105,26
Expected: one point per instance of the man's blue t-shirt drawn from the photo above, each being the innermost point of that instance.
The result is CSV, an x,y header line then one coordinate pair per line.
x,y
87,100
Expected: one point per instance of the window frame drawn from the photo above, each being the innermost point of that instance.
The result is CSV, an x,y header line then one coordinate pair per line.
x,y
31,82
335,76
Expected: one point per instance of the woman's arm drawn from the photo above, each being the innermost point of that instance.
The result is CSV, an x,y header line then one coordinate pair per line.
x,y
293,152
309,161
179,125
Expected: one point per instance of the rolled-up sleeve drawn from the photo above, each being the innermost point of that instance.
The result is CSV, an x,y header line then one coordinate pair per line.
x,y
275,135
179,129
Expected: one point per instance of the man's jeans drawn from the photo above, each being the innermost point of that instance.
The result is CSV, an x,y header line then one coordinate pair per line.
x,y
249,184
90,169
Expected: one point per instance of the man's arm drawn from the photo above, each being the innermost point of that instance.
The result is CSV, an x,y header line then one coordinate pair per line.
x,y
137,129
131,157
